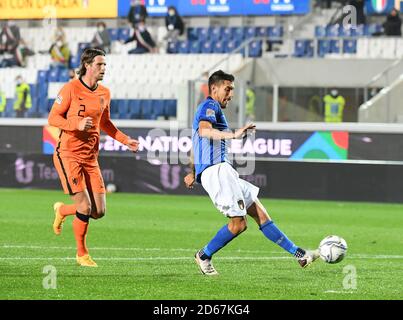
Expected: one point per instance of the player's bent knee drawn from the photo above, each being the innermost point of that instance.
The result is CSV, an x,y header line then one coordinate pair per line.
x,y
84,208
98,214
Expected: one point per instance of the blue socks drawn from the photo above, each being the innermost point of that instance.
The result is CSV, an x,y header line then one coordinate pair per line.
x,y
222,237
274,234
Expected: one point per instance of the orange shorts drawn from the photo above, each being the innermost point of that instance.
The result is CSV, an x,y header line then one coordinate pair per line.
x,y
78,175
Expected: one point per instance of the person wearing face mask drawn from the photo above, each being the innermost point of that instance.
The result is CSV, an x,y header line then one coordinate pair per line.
x,y
138,13
334,106
144,40
174,24
101,38
22,97
59,50
10,39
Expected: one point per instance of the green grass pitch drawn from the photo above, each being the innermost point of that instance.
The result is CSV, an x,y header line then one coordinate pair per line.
x,y
145,245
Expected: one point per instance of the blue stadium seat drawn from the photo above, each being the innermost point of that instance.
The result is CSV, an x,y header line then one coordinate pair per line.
x,y
350,46
172,47
345,32
170,108
207,47
332,31
183,47
238,34
113,34
219,47
134,109
300,48
323,48
192,34
50,104
370,29
335,46
147,110
231,46
216,33
203,34
255,49
53,75
250,32
9,110
262,32
64,75
123,109
124,34
158,108
359,31
82,46
114,110
320,31
310,48
227,33
194,47
74,61
275,31
42,76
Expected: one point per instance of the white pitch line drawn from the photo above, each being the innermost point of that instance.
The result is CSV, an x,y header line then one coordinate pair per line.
x,y
143,258
355,256
6,246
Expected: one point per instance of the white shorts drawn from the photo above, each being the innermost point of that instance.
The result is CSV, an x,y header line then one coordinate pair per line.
x,y
231,195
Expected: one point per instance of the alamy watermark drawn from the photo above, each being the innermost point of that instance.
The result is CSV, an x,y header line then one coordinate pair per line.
x,y
50,280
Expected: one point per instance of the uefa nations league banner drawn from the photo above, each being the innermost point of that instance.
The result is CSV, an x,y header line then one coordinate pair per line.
x,y
222,7
382,7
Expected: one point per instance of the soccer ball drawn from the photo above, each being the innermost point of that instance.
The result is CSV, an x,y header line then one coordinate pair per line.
x,y
332,249
110,188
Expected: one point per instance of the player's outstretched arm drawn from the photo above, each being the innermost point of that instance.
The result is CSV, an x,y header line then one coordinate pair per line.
x,y
206,130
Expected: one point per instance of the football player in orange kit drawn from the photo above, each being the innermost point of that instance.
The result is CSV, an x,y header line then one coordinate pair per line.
x,y
81,109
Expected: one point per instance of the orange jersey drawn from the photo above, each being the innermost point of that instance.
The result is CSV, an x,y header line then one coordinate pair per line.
x,y
75,102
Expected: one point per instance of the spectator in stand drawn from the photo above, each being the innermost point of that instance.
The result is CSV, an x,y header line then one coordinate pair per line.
x,y
174,24
393,24
23,100
3,102
10,38
138,13
101,38
145,43
59,50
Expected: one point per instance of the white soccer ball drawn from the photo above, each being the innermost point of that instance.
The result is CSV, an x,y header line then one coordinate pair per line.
x,y
332,249
111,188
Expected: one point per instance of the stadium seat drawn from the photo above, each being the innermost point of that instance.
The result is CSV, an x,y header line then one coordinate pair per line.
x,y
335,46
192,34
53,75
123,109
170,108
275,31
114,109
346,31
74,61
158,108
219,47
262,32
183,47
216,33
238,34
250,32
42,76
323,48
203,34
226,34
134,109
300,48
255,49
124,34
195,47
113,34
64,75
231,46
359,31
172,47
320,31
147,110
332,31
207,47
350,46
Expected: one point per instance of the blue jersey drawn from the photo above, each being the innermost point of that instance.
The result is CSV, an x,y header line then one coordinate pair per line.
x,y
208,152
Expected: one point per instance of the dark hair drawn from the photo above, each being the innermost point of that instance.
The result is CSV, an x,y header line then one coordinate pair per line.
x,y
219,76
88,56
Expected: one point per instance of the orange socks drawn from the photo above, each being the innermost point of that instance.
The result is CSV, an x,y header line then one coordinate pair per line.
x,y
67,210
80,228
